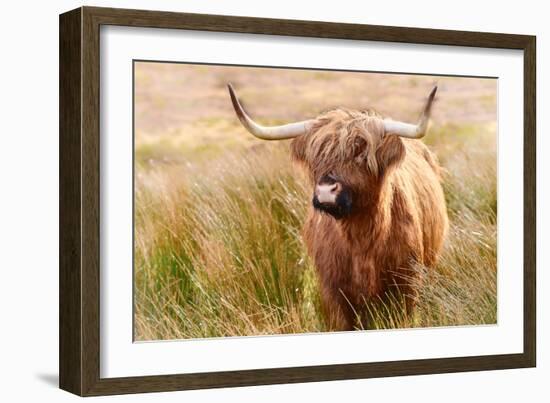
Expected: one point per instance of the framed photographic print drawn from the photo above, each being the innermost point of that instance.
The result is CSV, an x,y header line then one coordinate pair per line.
x,y
249,201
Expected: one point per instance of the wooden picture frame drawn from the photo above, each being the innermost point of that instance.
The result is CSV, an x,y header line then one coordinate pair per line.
x,y
80,200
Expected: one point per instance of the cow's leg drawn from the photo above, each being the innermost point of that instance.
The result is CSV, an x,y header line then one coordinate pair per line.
x,y
410,296
404,292
337,310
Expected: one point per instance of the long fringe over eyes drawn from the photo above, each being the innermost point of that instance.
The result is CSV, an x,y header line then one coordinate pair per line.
x,y
340,137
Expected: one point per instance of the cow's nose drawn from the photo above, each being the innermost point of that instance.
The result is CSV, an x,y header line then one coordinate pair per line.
x,y
327,193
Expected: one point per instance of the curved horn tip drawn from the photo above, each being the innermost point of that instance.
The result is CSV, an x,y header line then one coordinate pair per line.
x,y
431,97
231,91
434,90
236,104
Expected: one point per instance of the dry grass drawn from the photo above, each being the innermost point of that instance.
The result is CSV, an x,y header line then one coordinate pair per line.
x,y
218,250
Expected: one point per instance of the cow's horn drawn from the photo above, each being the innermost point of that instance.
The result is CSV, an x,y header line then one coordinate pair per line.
x,y
283,132
408,130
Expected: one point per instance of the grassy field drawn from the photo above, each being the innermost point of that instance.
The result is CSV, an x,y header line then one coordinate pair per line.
x,y
218,250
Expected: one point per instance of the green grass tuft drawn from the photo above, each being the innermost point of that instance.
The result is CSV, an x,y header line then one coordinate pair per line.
x,y
218,250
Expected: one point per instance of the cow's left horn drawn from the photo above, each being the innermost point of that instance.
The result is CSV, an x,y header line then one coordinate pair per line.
x,y
283,132
408,130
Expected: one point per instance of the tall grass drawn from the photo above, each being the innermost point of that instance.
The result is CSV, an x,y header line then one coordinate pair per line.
x,y
218,250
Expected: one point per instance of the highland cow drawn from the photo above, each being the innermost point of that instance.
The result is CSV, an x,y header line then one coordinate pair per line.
x,y
378,209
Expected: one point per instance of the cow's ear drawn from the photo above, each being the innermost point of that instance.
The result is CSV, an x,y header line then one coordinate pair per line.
x,y
298,149
390,153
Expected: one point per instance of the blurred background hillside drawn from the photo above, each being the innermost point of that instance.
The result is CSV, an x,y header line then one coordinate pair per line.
x,y
183,109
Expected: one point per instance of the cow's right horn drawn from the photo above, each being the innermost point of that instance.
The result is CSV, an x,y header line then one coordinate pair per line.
x,y
283,132
408,130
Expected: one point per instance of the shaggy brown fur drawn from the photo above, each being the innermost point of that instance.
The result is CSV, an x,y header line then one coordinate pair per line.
x,y
399,217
